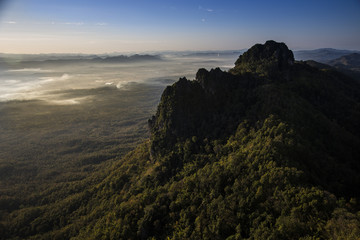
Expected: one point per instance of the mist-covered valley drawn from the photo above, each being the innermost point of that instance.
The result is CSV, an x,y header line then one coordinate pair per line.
x,y
88,149
48,77
64,117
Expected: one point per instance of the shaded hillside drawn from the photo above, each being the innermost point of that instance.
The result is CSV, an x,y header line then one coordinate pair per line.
x,y
268,150
336,65
349,64
348,61
322,55
318,65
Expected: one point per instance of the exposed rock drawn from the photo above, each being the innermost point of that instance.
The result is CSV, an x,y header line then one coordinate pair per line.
x,y
212,106
269,59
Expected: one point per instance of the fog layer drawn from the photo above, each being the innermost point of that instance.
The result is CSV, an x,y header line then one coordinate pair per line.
x,y
50,77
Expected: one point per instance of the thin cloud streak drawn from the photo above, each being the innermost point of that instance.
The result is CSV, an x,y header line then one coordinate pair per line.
x,y
101,24
74,23
206,9
62,23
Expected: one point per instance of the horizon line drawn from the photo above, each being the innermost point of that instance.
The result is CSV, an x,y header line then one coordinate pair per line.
x,y
165,51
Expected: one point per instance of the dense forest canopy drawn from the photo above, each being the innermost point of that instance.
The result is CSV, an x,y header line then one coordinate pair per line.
x,y
267,150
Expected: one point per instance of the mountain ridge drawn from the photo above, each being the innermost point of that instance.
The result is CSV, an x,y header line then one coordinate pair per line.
x,y
268,150
217,83
322,55
76,59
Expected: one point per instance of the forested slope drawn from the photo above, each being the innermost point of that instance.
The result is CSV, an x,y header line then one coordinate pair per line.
x,y
268,150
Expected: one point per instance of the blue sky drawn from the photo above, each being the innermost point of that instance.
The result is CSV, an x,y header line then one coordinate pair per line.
x,y
99,26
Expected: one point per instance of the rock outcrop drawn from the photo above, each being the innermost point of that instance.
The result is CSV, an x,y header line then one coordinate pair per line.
x,y
271,59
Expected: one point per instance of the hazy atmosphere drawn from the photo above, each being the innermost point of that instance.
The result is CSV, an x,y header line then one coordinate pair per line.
x,y
48,77
73,26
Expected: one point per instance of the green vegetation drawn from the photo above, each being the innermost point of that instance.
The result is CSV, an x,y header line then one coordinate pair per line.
x,y
265,153
50,153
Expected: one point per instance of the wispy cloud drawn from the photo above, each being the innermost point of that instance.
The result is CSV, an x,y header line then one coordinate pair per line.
x,y
203,20
60,23
66,23
101,24
29,70
206,9
10,22
74,23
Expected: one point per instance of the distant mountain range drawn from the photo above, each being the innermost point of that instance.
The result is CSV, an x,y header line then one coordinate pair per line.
x,y
44,59
213,53
132,58
322,55
348,64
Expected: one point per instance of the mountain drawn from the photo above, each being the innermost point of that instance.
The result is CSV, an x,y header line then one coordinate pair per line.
x,y
266,82
268,150
347,61
132,58
34,60
349,64
213,53
322,55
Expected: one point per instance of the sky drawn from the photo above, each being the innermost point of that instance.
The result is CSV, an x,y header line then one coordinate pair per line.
x,y
106,26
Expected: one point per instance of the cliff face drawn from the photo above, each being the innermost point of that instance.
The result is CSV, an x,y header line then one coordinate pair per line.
x,y
259,152
201,108
215,103
322,107
270,59
265,80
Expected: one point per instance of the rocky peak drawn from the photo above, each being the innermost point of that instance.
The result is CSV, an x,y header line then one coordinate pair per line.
x,y
269,59
214,80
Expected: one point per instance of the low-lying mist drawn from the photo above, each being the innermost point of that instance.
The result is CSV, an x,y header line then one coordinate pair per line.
x,y
47,78
65,117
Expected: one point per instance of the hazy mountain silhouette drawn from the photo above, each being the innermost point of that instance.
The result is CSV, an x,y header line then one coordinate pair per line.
x,y
322,55
7,60
348,61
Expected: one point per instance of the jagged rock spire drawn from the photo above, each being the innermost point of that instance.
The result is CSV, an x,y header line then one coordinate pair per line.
x,y
269,59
